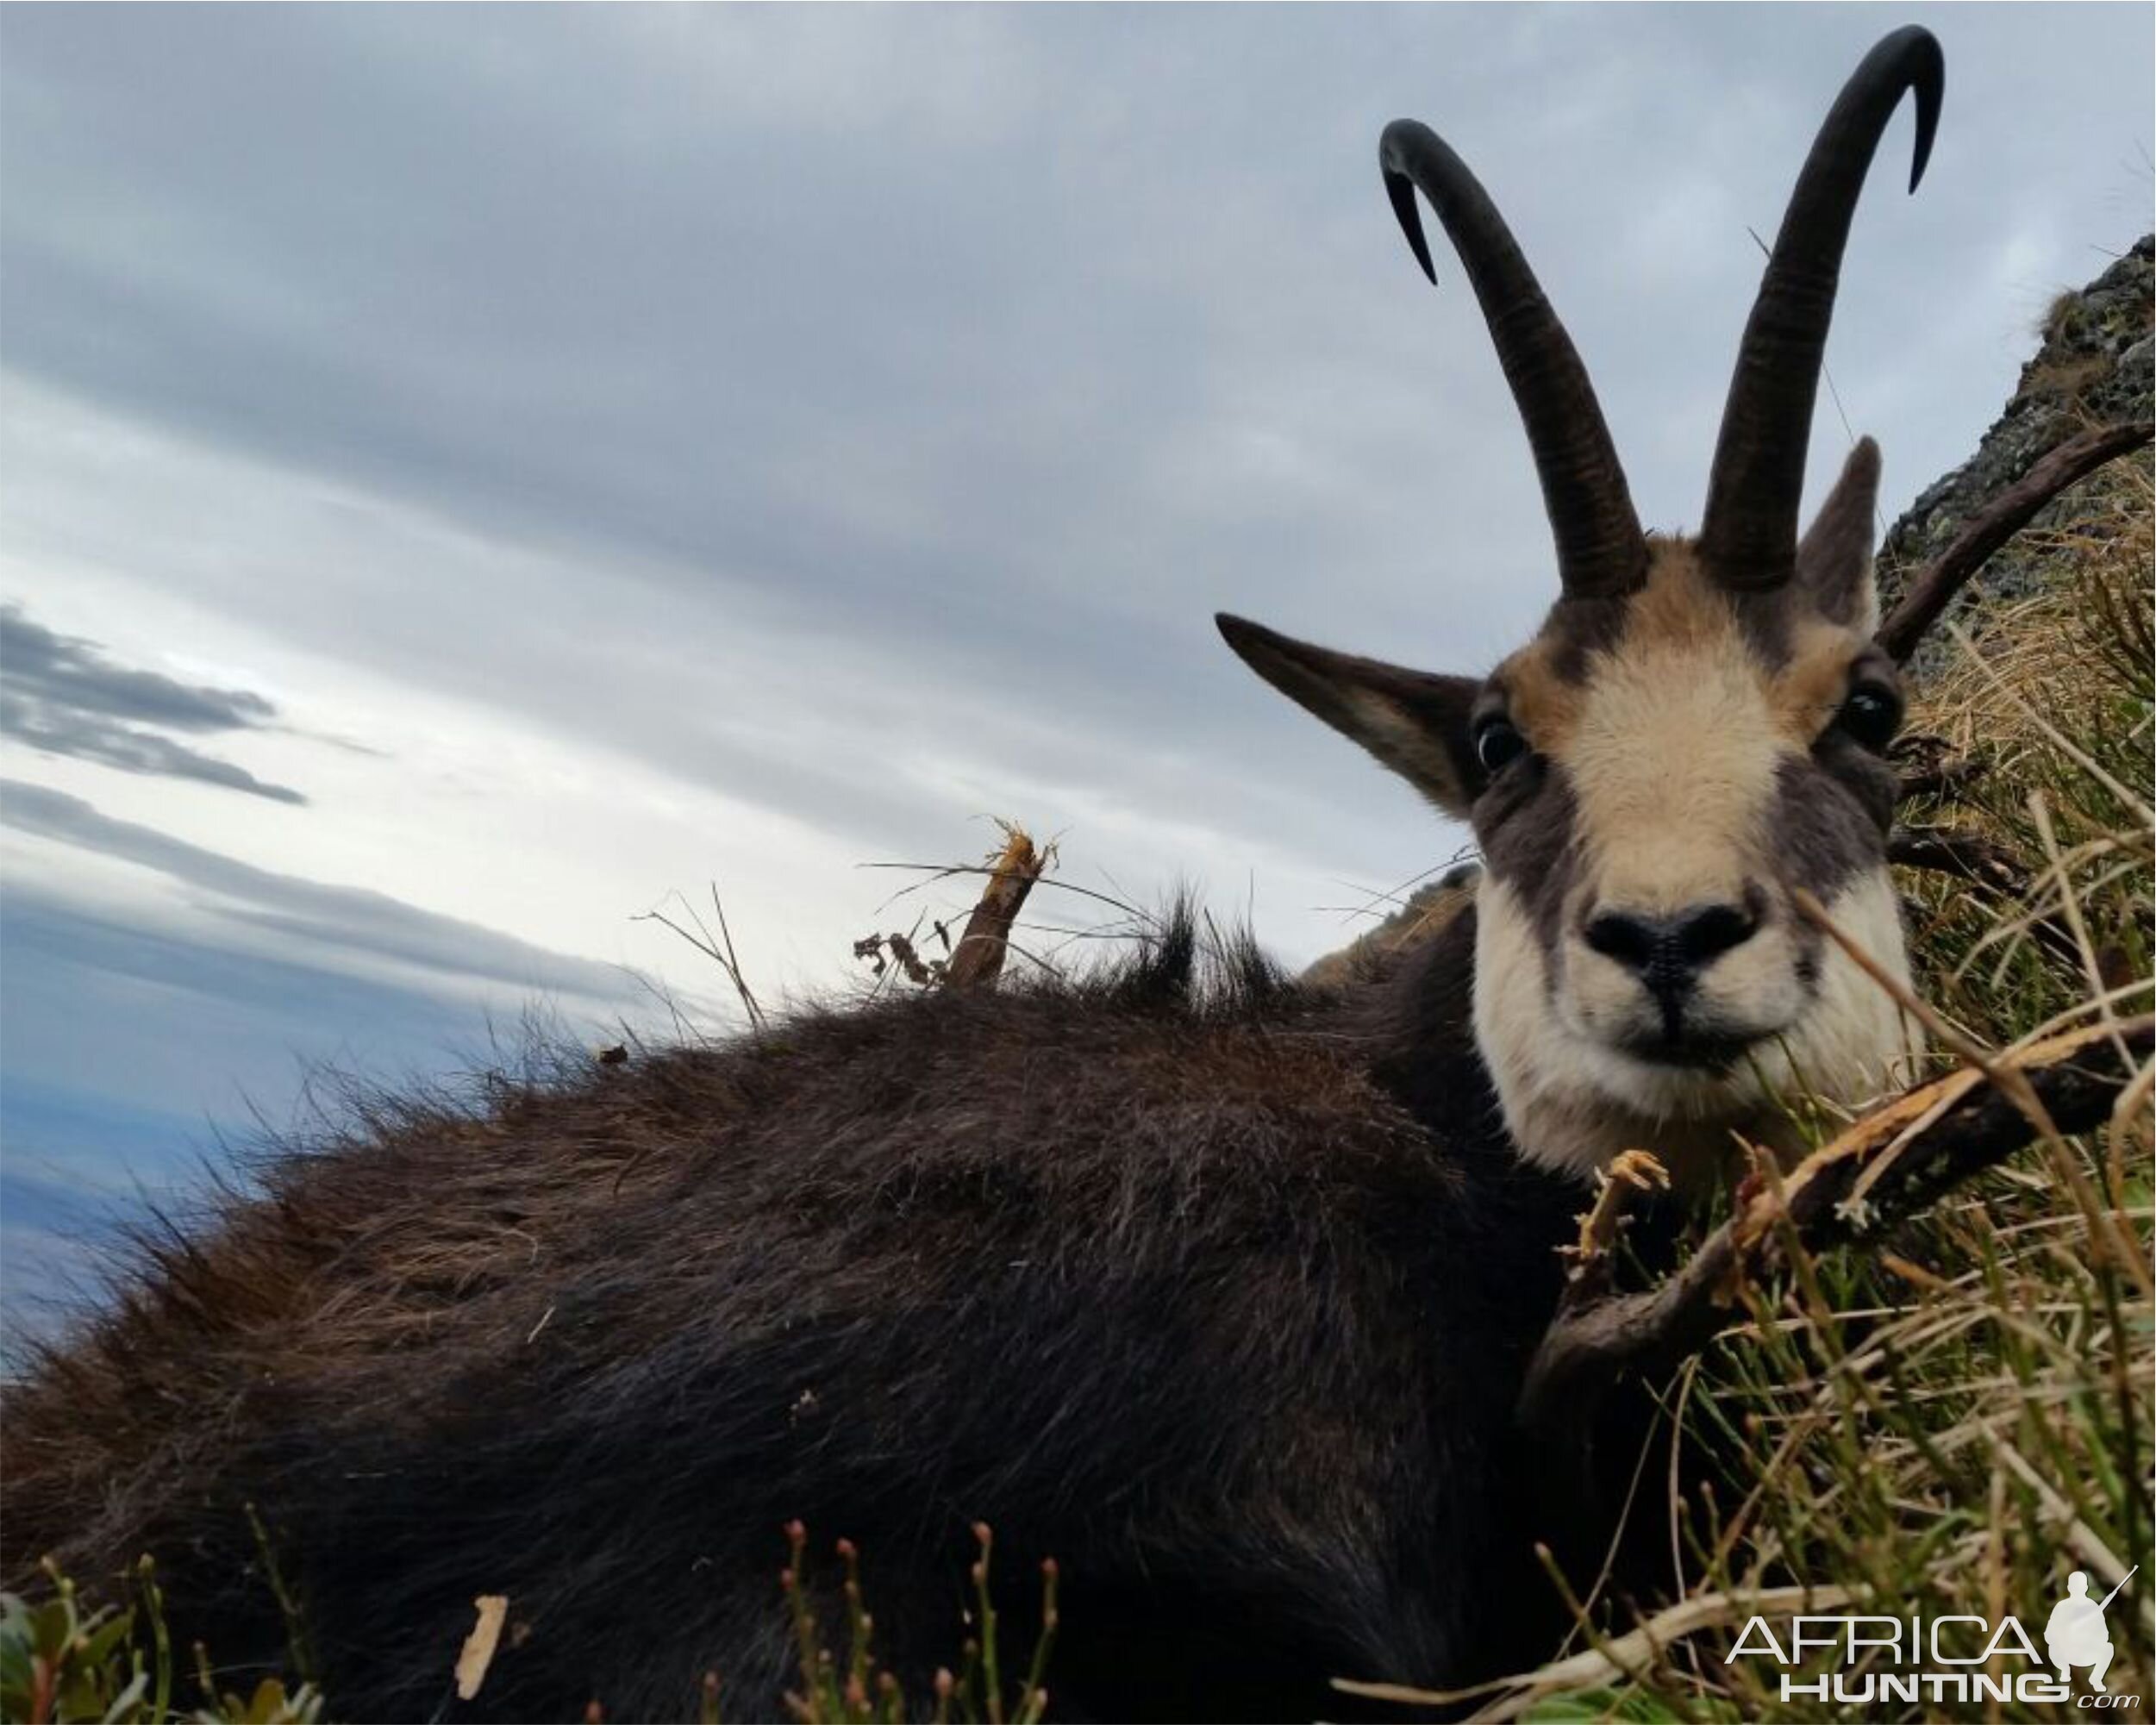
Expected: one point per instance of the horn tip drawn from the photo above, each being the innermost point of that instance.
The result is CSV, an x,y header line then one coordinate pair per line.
x,y
1401,190
1237,631
1927,70
1257,646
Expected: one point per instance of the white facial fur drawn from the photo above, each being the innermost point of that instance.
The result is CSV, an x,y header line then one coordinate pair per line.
x,y
1670,745
1572,1103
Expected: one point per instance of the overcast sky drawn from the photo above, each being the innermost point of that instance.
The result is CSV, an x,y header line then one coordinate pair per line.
x,y
467,474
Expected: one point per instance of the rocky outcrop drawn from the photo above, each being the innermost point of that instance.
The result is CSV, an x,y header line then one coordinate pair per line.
x,y
2094,367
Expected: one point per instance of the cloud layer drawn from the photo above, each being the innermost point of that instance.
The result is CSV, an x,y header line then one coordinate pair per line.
x,y
62,695
345,920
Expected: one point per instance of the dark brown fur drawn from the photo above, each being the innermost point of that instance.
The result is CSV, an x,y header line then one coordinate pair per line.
x,y
1216,1290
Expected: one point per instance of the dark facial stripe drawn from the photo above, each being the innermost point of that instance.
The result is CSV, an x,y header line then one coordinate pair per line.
x,y
1768,623
1576,629
1525,822
1830,815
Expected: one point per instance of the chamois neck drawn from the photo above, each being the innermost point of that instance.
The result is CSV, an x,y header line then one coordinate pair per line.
x,y
1419,1019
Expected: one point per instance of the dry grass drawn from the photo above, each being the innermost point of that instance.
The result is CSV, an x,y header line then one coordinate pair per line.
x,y
2065,379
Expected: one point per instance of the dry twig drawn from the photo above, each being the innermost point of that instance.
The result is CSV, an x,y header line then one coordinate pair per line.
x,y
1614,1658
719,950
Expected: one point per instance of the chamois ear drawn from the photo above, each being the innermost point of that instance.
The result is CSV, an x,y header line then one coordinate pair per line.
x,y
1414,722
1833,560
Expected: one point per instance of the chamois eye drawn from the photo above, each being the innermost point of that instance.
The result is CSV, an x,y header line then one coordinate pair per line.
x,y
1498,744
1871,716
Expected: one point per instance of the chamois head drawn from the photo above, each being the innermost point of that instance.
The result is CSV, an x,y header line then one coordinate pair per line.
x,y
1696,732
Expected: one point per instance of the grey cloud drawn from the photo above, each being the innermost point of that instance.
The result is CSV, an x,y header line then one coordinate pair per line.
x,y
1020,340
341,919
90,737
62,695
70,672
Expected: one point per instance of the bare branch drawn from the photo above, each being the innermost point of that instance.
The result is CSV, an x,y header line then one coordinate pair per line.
x,y
1915,1149
2008,512
1966,856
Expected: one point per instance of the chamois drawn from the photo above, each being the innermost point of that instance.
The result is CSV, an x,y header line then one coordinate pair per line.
x,y
1216,1287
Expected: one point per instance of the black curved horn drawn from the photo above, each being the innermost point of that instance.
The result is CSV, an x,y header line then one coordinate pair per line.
x,y
1600,549
1748,539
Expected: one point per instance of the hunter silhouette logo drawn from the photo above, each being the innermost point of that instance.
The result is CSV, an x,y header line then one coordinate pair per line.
x,y
1952,1660
2075,1634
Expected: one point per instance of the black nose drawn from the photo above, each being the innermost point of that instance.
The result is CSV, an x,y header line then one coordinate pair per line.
x,y
1668,952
